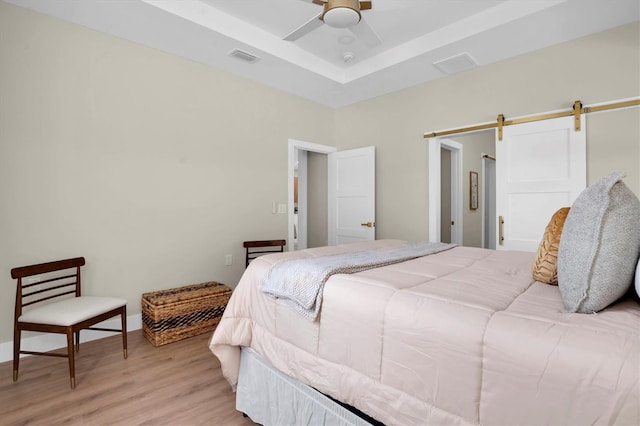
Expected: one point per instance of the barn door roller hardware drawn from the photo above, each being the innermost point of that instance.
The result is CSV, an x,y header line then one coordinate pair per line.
x,y
576,112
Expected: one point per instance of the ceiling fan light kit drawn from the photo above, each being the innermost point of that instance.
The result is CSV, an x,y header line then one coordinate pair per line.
x,y
341,13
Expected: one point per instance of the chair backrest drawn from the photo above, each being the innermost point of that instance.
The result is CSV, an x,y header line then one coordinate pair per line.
x,y
59,279
258,248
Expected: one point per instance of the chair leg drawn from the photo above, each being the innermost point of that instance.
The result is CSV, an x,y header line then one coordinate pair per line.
x,y
70,353
16,351
77,341
123,317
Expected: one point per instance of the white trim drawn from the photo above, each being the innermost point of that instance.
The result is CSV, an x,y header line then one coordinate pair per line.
x,y
484,198
303,211
435,168
457,232
292,146
435,198
49,341
483,210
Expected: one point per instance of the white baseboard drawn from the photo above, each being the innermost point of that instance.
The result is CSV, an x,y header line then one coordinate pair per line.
x,y
48,342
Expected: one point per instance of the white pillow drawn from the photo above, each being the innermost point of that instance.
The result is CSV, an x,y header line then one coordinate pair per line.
x,y
599,246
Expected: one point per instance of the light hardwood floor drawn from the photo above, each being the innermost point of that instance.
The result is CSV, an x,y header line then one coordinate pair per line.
x,y
176,384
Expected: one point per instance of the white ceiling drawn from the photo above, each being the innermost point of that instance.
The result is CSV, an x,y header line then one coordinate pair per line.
x,y
415,34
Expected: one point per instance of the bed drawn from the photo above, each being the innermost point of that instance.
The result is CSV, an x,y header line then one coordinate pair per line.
x,y
461,336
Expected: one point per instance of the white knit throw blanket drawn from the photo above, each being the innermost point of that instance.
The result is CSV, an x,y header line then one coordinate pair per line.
x,y
299,282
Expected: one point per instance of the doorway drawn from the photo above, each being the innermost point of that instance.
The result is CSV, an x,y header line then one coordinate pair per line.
x,y
453,225
305,162
348,199
470,215
445,196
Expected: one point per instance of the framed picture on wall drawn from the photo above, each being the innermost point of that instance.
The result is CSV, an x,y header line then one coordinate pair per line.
x,y
473,190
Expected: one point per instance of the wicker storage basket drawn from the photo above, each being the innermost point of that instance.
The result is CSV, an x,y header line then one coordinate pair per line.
x,y
178,313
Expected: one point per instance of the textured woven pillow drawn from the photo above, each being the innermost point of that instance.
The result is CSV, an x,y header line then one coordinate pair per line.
x,y
545,267
599,246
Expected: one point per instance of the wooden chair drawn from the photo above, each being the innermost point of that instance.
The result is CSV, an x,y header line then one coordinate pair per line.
x,y
258,248
60,312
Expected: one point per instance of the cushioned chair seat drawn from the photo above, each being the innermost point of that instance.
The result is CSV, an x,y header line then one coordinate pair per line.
x,y
71,311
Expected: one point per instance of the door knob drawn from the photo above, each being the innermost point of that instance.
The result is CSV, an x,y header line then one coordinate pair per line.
x,y
368,224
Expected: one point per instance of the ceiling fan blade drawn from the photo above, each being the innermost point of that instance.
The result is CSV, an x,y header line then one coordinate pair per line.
x,y
305,28
365,33
365,5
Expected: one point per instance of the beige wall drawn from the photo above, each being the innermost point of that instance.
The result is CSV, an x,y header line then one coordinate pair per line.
x,y
155,167
598,68
151,166
317,215
445,195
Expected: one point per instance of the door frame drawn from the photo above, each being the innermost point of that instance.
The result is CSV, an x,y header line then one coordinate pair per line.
x,y
435,181
485,205
292,145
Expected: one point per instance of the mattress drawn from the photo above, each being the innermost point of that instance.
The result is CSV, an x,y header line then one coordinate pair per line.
x,y
464,336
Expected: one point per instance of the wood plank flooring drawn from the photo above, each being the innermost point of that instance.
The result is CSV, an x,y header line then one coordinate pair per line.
x,y
176,384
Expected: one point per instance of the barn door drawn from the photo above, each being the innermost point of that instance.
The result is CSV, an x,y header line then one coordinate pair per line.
x,y
540,167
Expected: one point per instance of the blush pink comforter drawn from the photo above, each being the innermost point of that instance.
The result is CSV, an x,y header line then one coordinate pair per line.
x,y
465,336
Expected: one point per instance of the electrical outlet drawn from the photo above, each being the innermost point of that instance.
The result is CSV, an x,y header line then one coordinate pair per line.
x,y
228,260
282,208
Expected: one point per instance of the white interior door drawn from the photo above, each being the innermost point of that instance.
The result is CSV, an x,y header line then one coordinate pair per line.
x,y
540,167
351,176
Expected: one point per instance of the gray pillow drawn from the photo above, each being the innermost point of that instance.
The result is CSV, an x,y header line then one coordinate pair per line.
x,y
599,246
638,279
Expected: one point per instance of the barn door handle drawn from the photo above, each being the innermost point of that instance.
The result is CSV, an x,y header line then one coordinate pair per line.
x,y
368,224
500,230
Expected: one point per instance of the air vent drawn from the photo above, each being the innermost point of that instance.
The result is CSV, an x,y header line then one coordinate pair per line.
x,y
244,56
456,64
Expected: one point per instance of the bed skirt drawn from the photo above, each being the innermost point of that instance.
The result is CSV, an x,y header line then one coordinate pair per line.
x,y
270,397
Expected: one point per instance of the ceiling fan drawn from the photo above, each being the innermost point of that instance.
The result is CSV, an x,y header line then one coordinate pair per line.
x,y
339,14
